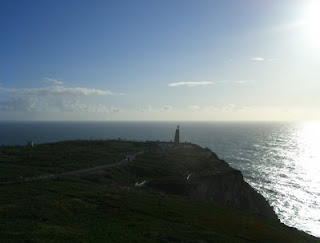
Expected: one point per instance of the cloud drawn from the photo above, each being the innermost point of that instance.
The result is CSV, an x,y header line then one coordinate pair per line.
x,y
241,82
190,84
63,105
257,59
54,98
100,109
60,90
146,108
166,108
203,83
53,81
19,104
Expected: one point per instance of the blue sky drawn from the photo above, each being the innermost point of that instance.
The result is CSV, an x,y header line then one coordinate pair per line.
x,y
159,60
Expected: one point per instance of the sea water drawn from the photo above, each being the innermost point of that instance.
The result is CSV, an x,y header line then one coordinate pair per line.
x,y
280,160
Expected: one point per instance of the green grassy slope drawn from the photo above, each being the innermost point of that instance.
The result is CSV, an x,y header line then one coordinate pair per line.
x,y
105,206
22,161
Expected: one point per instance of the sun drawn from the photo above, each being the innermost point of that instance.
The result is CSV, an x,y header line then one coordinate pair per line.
x,y
312,22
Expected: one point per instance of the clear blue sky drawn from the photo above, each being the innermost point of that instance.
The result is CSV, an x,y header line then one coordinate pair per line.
x,y
159,60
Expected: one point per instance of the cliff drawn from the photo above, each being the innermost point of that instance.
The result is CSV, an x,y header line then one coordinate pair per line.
x,y
229,188
201,175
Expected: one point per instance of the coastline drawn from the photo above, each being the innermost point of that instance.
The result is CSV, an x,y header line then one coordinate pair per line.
x,y
163,171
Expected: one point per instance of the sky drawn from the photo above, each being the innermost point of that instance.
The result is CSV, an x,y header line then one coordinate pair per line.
x,y
194,60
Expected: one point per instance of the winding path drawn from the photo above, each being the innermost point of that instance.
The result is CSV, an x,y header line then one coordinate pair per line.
x,y
127,159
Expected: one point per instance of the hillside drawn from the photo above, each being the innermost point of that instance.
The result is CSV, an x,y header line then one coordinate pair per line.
x,y
175,194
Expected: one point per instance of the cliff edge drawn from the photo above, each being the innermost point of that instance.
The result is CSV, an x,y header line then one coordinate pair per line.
x,y
199,174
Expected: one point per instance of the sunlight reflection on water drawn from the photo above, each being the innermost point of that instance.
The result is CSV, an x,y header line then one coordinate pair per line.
x,y
288,175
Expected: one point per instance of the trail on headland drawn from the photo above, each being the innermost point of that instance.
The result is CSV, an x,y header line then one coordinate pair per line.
x,y
128,158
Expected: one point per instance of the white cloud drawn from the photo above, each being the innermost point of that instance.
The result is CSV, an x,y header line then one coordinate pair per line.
x,y
100,109
61,90
258,59
190,84
55,98
220,82
241,82
146,108
262,59
53,81
63,105
19,104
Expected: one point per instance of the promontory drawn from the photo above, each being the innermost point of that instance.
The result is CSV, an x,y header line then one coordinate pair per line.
x,y
127,191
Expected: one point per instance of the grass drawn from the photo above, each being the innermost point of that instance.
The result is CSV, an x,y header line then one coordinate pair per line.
x,y
106,206
23,161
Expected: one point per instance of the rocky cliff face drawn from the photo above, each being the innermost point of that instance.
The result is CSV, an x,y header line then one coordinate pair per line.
x,y
229,188
211,179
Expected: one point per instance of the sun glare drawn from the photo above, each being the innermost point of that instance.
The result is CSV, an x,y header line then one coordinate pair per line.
x,y
312,22
309,139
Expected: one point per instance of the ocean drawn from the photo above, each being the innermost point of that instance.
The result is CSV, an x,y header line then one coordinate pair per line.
x,y
280,160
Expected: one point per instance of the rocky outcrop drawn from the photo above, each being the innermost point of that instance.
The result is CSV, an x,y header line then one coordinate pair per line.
x,y
229,188
209,178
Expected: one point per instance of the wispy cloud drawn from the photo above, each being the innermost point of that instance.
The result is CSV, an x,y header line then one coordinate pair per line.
x,y
191,84
146,108
258,59
61,98
241,82
262,59
53,81
61,90
76,106
204,83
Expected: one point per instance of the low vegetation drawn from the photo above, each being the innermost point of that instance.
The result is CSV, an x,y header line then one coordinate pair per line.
x,y
25,161
106,206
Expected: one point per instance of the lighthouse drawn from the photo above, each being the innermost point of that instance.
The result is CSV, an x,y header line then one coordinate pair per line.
x,y
176,136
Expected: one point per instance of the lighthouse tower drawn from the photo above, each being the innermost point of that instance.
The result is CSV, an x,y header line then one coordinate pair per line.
x,y
176,136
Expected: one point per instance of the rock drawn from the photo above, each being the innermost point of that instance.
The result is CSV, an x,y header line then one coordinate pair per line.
x,y
206,177
229,188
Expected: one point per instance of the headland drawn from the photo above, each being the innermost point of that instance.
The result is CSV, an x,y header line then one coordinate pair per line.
x,y
138,191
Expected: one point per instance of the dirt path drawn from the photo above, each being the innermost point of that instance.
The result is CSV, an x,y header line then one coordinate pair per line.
x,y
126,160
